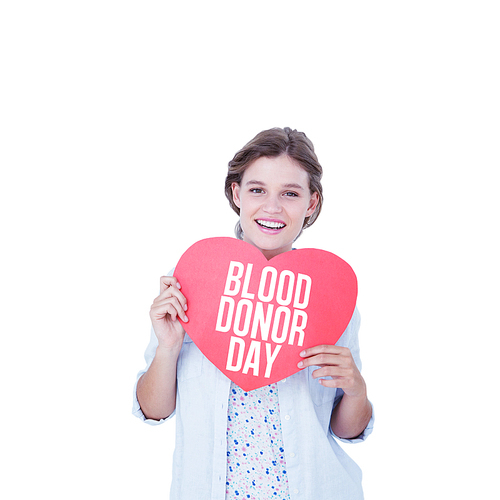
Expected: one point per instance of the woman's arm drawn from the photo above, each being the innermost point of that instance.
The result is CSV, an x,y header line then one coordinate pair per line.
x,y
156,389
352,414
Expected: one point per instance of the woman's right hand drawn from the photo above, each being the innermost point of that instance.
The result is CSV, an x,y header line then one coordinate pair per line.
x,y
165,312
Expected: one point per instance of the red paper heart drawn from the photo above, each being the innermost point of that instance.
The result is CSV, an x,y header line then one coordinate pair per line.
x,y
256,347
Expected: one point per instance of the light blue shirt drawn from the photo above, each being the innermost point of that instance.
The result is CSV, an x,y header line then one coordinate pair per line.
x,y
317,467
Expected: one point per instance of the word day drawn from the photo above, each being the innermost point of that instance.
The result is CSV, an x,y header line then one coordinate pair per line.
x,y
272,312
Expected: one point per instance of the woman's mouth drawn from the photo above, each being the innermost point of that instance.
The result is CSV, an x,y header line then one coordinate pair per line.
x,y
272,225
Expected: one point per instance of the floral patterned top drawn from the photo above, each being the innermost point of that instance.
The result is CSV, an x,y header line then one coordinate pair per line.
x,y
256,466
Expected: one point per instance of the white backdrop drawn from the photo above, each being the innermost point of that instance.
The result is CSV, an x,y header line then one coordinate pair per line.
x,y
117,123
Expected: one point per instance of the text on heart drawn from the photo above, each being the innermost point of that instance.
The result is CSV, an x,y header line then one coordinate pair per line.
x,y
276,316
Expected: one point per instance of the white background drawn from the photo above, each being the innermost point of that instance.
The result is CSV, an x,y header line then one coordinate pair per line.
x,y
118,119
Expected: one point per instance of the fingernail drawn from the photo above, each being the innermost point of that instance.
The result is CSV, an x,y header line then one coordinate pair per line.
x,y
185,307
185,319
178,285
303,353
300,364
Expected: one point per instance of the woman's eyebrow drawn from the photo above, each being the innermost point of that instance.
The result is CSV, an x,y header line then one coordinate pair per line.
x,y
290,185
293,186
254,183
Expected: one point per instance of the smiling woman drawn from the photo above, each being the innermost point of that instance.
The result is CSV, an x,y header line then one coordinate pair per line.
x,y
273,211
277,441
292,146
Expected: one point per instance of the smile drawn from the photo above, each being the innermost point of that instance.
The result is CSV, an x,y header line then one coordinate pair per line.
x,y
268,224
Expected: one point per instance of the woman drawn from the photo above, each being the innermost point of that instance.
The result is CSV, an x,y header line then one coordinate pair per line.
x,y
278,441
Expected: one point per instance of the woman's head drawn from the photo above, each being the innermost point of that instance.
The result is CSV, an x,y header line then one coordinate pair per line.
x,y
274,143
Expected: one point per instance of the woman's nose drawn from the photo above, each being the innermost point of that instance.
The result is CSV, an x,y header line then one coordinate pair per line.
x,y
272,205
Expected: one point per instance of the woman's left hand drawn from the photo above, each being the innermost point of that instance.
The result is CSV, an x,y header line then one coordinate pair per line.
x,y
335,362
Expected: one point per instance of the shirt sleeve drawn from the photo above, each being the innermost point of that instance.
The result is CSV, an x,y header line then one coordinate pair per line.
x,y
350,339
148,356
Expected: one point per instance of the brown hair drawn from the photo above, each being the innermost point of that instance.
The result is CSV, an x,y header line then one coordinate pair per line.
x,y
272,143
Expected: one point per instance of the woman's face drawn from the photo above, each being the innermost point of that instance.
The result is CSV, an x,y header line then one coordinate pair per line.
x,y
274,199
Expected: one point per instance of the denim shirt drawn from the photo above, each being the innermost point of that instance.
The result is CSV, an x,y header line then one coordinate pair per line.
x,y
317,467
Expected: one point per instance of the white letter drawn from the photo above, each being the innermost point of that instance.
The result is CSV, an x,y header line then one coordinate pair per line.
x,y
233,278
220,316
302,278
259,320
296,328
237,317
276,324
253,358
244,292
270,358
230,354
262,285
279,294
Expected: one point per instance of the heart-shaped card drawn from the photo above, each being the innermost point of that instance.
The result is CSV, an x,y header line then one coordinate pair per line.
x,y
251,317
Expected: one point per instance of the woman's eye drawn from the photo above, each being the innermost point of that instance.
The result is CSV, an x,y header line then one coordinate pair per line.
x,y
291,193
256,190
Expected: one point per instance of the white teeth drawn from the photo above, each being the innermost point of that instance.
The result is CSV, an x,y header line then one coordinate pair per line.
x,y
271,225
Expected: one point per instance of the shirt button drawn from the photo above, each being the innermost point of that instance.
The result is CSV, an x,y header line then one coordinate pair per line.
x,y
292,455
284,380
295,491
287,417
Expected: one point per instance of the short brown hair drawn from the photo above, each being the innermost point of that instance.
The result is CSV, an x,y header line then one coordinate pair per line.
x,y
272,143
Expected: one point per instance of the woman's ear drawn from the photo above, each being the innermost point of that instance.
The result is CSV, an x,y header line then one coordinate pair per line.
x,y
236,193
313,204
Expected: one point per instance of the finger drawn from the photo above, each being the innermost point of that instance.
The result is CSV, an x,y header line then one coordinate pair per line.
x,y
351,385
165,313
322,360
332,371
168,281
319,349
168,306
337,383
173,291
